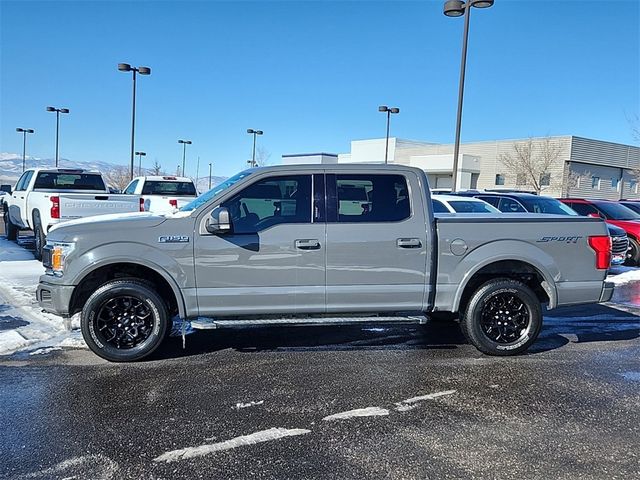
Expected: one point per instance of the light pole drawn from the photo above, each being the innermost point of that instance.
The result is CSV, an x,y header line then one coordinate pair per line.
x,y
457,8
209,176
58,112
140,155
254,132
125,67
184,151
24,132
384,108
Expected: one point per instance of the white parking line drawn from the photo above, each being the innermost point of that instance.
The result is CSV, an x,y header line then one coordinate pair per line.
x,y
358,412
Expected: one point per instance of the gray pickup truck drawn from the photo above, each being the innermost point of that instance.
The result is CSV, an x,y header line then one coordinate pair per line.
x,y
287,245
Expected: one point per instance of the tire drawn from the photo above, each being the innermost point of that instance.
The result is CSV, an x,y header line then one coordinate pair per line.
x,y
108,313
40,239
10,230
490,304
633,254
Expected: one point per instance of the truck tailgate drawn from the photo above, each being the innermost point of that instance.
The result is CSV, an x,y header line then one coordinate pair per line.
x,y
79,205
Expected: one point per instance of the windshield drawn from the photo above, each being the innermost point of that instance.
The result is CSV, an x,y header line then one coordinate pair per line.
x,y
615,211
468,206
205,197
547,205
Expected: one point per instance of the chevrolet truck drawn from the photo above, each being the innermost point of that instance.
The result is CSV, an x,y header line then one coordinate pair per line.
x,y
278,245
44,197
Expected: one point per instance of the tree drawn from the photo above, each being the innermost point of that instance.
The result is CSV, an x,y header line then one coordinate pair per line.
x,y
157,168
531,162
118,177
262,157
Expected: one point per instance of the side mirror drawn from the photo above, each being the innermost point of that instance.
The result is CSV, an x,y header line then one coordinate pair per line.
x,y
220,221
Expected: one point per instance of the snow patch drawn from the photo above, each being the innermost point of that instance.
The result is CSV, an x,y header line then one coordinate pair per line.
x,y
44,351
11,340
240,405
626,276
358,412
251,439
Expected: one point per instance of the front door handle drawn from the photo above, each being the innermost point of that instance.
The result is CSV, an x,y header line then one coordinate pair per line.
x,y
307,244
409,243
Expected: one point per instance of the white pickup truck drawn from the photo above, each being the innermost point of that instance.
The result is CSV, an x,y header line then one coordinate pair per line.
x,y
44,197
162,194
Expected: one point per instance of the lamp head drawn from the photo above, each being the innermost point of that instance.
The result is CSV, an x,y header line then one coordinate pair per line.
x,y
383,108
51,109
394,110
454,8
144,70
481,3
64,110
124,67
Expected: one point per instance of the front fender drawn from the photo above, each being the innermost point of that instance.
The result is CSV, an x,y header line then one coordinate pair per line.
x,y
513,250
175,273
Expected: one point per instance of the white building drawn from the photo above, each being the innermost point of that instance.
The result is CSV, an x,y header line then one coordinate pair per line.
x,y
581,167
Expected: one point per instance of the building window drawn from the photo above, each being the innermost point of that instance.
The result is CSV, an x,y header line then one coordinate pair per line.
x,y
633,186
615,184
521,179
499,179
545,179
595,182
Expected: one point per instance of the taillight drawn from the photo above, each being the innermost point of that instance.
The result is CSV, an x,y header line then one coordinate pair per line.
x,y
142,204
601,244
173,202
55,207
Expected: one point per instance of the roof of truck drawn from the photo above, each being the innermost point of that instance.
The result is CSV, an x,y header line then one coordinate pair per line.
x,y
164,178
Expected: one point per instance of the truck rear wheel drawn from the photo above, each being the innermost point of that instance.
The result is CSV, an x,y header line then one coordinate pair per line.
x,y
10,230
503,317
124,320
633,254
40,240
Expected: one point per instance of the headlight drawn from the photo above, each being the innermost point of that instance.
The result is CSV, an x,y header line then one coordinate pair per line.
x,y
57,253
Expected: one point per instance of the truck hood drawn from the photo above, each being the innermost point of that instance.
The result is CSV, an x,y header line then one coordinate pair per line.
x,y
65,231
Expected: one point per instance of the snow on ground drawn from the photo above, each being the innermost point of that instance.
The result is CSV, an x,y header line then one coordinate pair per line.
x,y
23,325
622,275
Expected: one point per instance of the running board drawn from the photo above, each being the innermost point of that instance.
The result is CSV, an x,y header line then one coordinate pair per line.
x,y
210,323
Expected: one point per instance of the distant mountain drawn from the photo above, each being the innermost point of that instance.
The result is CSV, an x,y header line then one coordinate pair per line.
x,y
11,168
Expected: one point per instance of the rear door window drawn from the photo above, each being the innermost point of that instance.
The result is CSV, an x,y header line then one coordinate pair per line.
x,y
372,198
438,207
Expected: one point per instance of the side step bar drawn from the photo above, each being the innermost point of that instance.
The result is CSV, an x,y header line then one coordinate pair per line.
x,y
210,323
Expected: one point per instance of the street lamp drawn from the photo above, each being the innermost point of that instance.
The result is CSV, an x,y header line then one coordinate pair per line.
x,y
457,8
58,112
140,155
184,151
209,176
384,108
24,132
254,132
125,67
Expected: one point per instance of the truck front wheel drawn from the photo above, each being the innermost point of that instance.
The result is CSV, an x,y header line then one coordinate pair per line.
x,y
124,320
40,240
503,317
10,230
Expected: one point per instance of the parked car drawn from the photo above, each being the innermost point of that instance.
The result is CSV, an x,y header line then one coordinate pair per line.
x,y
218,263
615,214
44,197
632,204
518,202
456,204
162,194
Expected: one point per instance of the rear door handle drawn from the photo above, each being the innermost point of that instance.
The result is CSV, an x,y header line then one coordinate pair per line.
x,y
409,243
307,244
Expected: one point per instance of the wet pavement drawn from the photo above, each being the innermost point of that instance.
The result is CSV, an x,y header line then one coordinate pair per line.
x,y
253,401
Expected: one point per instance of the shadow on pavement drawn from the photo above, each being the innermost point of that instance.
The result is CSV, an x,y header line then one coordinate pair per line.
x,y
434,335
561,326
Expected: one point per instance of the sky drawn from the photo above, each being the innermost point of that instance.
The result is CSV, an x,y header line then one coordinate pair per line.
x,y
310,74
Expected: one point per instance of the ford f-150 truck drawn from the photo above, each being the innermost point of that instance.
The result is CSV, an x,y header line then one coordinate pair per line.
x,y
274,245
44,197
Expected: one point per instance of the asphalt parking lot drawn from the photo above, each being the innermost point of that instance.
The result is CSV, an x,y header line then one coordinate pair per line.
x,y
398,402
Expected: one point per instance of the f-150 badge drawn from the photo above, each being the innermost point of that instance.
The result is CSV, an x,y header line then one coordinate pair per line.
x,y
173,239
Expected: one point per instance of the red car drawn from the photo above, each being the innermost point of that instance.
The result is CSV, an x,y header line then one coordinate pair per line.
x,y
615,214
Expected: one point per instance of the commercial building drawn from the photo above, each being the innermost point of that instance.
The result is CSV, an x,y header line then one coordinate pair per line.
x,y
573,166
